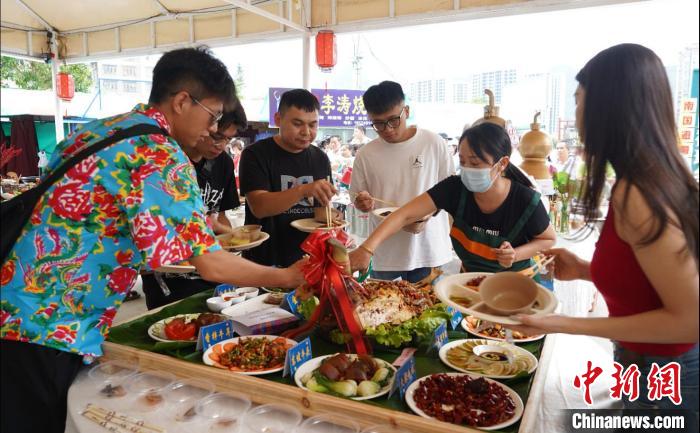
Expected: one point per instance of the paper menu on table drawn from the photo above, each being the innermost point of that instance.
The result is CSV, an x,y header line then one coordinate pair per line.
x,y
268,321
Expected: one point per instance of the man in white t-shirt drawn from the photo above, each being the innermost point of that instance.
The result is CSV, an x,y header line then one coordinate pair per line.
x,y
402,163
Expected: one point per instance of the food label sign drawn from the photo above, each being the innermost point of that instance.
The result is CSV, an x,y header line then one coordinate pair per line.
x,y
439,337
404,377
293,302
456,317
212,334
224,288
296,356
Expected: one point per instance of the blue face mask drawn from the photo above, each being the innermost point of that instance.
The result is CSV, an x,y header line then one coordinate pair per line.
x,y
477,179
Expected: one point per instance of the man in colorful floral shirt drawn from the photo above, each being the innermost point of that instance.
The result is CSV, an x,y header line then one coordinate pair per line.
x,y
132,206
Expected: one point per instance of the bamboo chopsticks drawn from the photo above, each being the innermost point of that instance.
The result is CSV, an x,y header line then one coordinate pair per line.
x,y
537,267
390,203
118,423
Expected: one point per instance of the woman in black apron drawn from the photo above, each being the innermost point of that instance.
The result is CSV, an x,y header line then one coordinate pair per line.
x,y
499,220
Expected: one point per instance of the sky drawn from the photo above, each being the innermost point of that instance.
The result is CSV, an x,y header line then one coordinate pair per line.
x,y
529,43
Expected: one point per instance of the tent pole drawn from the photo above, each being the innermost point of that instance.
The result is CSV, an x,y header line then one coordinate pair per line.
x,y
58,111
306,59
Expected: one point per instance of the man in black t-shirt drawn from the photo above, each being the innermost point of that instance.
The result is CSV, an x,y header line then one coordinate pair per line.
x,y
217,183
283,177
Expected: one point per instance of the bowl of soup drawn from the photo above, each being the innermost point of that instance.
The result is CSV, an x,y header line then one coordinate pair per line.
x,y
508,293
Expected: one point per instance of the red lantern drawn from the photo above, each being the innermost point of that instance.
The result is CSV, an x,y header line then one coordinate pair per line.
x,y
65,86
326,50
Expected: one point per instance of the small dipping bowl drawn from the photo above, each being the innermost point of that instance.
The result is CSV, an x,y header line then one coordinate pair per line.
x,y
109,377
233,297
249,292
492,353
508,293
224,412
272,418
218,303
149,389
327,423
184,395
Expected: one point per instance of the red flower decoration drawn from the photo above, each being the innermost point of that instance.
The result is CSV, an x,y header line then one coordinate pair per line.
x,y
84,170
107,317
147,229
7,272
70,200
124,257
121,280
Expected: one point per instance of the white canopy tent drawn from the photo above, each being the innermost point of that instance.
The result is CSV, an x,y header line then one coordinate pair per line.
x,y
76,31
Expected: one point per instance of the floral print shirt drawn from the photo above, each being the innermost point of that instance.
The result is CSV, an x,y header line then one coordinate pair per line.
x,y
134,205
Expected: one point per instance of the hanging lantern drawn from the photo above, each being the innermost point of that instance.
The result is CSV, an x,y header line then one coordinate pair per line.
x,y
326,50
65,86
534,147
491,112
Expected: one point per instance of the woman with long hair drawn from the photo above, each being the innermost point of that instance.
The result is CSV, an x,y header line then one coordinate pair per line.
x,y
499,219
646,261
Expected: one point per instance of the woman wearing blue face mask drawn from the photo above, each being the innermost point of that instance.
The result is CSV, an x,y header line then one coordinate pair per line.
x,y
499,220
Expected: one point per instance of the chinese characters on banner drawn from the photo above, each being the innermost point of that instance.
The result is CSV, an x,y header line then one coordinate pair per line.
x,y
339,108
660,382
687,126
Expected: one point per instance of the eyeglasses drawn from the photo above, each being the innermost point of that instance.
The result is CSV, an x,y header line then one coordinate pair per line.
x,y
221,138
215,117
394,122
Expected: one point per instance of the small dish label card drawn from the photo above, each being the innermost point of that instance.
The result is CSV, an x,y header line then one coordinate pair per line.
x,y
224,288
212,334
439,337
291,300
456,317
404,376
269,321
296,356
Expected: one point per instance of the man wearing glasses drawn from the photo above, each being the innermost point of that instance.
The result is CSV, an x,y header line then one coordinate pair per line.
x,y
400,164
217,183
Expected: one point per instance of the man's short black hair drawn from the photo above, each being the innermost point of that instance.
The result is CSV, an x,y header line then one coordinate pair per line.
x,y
299,98
194,70
382,97
235,117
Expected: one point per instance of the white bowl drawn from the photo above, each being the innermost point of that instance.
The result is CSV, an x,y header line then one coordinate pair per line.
x,y
217,303
233,297
250,292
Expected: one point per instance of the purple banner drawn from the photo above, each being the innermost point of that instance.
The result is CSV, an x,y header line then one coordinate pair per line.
x,y
339,108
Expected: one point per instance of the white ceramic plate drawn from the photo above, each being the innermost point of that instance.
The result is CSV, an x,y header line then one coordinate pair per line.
x,y
515,350
263,237
469,329
209,361
157,330
308,225
312,364
454,285
176,269
378,212
514,395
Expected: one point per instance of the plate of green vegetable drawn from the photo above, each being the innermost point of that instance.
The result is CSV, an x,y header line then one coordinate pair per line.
x,y
357,377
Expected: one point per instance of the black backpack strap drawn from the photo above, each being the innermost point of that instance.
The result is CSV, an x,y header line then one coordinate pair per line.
x,y
122,134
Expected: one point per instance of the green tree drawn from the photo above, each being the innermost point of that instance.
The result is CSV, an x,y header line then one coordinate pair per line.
x,y
37,75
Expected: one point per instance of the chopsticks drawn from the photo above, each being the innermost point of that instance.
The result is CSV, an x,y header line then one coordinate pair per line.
x,y
390,203
537,267
118,423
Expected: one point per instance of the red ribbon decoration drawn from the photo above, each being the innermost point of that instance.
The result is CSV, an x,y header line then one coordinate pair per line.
x,y
327,279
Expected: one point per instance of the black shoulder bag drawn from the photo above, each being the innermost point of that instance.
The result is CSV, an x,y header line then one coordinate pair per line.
x,y
16,212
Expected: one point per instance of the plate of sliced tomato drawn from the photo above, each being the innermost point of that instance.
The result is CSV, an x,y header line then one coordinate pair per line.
x,y
253,355
182,328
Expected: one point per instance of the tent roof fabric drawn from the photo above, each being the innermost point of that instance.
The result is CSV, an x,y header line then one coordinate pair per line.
x,y
91,29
